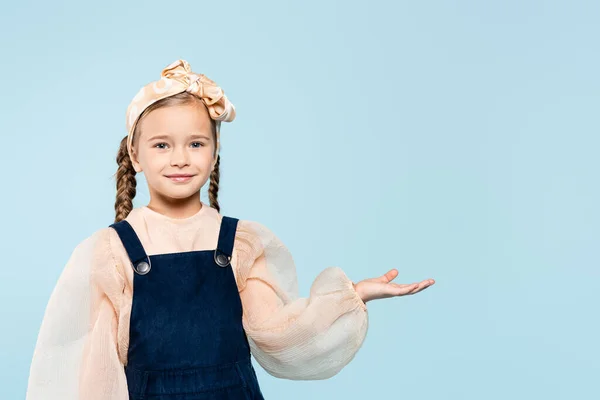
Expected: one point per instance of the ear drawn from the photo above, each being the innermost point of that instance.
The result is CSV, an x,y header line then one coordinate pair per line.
x,y
134,161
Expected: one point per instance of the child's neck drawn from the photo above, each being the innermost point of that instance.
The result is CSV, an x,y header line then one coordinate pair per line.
x,y
176,210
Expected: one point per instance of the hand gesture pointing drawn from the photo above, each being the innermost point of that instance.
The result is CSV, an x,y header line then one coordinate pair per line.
x,y
379,288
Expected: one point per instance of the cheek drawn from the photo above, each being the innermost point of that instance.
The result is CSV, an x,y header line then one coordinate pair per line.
x,y
154,162
204,156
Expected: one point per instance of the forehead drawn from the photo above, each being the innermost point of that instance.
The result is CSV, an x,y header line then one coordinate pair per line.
x,y
176,120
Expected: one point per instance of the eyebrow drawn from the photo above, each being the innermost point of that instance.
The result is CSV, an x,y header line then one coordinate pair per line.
x,y
167,137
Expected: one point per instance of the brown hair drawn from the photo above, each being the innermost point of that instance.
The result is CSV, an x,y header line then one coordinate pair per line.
x,y
125,175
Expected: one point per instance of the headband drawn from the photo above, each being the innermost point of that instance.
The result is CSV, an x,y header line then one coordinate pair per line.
x,y
177,78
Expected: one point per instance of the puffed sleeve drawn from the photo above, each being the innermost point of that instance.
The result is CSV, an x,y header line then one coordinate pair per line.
x,y
292,337
76,354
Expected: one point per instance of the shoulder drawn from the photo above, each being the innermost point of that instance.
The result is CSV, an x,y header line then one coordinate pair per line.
x,y
94,245
253,228
254,234
105,241
92,259
104,250
253,239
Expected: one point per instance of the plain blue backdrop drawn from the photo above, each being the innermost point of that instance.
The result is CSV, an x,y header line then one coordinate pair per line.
x,y
454,140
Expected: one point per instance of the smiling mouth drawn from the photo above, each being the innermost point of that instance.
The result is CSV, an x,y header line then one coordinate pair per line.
x,y
180,178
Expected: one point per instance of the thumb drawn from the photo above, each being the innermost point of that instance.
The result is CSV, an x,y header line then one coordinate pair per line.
x,y
388,276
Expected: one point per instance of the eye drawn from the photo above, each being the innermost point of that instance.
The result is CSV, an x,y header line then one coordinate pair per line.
x,y
200,143
158,144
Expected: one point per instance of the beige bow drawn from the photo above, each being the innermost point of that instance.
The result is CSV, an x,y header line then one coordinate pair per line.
x,y
218,105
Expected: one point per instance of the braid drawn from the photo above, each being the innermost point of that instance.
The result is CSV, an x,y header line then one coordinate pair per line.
x,y
125,183
213,188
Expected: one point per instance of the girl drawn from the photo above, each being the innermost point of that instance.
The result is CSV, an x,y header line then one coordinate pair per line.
x,y
170,300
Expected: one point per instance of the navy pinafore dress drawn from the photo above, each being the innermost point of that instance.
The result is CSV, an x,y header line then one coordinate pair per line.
x,y
186,338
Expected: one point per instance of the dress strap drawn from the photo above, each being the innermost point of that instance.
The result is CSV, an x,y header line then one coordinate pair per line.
x,y
224,248
137,255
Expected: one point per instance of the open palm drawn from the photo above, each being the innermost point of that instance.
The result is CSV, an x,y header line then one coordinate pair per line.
x,y
381,287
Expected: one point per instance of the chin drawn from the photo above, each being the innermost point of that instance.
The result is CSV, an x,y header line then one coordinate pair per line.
x,y
182,192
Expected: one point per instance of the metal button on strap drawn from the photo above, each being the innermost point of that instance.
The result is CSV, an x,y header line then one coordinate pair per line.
x,y
221,259
142,268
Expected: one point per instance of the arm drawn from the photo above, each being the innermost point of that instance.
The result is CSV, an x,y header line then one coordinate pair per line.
x,y
75,356
292,337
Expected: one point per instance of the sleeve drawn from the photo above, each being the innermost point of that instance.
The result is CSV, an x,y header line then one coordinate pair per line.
x,y
76,353
291,337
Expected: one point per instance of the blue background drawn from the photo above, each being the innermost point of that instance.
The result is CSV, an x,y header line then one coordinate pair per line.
x,y
454,140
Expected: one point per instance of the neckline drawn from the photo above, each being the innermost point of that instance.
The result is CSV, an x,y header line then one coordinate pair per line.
x,y
181,253
172,220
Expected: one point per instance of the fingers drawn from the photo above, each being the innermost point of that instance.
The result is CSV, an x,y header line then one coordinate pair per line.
x,y
402,290
415,287
418,287
411,288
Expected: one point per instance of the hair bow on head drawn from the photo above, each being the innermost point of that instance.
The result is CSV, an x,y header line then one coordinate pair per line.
x,y
218,105
176,78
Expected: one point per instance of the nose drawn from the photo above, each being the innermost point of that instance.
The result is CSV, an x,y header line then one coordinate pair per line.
x,y
179,157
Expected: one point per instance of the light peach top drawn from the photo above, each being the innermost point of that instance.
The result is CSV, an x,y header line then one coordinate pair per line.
x,y
83,340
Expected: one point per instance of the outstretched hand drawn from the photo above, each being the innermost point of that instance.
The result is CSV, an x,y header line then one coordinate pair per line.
x,y
380,288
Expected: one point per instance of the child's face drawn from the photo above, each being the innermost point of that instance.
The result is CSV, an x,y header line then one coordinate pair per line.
x,y
186,146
